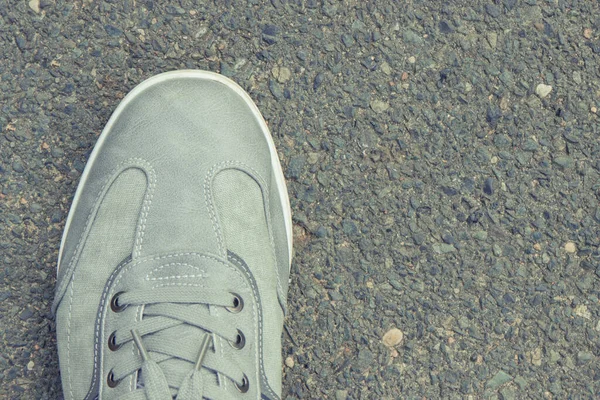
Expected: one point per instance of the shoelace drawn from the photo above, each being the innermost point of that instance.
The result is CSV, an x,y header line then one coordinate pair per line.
x,y
191,373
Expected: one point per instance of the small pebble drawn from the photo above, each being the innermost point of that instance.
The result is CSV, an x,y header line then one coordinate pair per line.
x,y
57,152
393,337
570,247
480,235
35,5
30,365
282,74
488,186
583,357
492,39
341,394
497,250
445,27
404,76
582,311
289,362
379,106
385,67
563,161
587,32
499,379
412,59
56,217
493,10
508,393
543,90
18,167
594,109
26,314
536,356
443,248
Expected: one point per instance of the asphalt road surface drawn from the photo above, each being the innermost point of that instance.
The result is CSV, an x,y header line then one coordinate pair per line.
x,y
443,164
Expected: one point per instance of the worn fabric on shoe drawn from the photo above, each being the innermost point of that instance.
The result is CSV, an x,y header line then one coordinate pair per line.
x,y
174,265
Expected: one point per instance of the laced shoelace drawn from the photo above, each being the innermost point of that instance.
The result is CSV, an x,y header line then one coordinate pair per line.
x,y
191,373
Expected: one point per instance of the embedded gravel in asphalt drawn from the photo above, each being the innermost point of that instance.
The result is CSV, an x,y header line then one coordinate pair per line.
x,y
443,164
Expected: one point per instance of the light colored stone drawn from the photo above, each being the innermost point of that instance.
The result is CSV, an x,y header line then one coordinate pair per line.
x,y
393,337
312,158
385,67
282,74
583,311
35,5
289,362
379,106
341,394
536,356
30,365
492,39
543,90
570,247
412,59
499,379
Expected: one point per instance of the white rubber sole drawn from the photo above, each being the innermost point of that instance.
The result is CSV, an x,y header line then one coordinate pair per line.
x,y
204,75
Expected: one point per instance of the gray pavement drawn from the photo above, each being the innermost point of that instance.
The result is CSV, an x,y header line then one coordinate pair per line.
x,y
443,163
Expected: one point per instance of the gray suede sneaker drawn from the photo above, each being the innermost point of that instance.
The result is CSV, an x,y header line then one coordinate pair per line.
x,y
174,263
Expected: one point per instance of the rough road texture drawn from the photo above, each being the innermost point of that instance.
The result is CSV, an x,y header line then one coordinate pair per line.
x,y
443,161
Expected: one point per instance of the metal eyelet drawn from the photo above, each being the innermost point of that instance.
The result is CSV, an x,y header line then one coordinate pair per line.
x,y
240,341
114,303
112,342
238,304
245,386
110,380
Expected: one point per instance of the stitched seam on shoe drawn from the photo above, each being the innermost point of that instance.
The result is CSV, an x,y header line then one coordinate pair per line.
x,y
97,338
256,313
161,278
69,339
208,200
77,252
178,284
244,267
137,262
265,193
119,169
145,210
